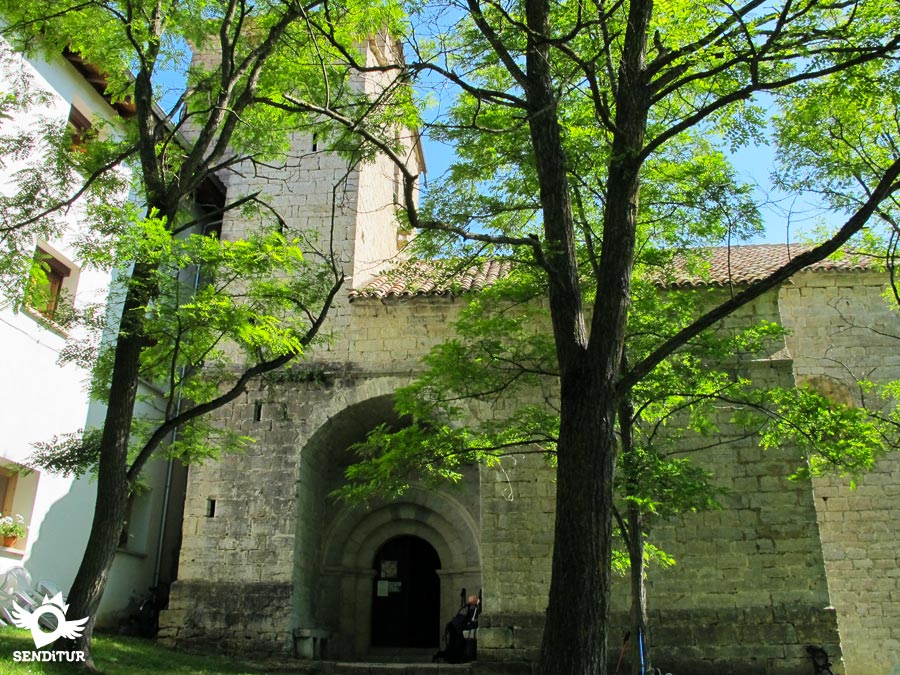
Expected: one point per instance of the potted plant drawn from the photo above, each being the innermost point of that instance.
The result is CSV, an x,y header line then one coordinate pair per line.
x,y
11,529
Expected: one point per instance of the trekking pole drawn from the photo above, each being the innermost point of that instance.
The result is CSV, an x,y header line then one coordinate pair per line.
x,y
622,654
641,649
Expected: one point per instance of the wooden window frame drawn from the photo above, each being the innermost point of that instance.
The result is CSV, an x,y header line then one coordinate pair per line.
x,y
56,272
79,128
11,478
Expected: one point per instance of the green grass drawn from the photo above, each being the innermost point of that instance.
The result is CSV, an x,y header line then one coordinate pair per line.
x,y
118,655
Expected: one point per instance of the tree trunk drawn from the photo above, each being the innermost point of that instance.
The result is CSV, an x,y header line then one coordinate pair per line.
x,y
112,482
634,537
640,646
574,640
576,628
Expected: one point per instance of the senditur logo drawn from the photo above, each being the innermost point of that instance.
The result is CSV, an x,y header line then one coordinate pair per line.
x,y
23,618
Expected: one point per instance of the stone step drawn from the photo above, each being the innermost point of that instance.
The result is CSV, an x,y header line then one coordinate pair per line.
x,y
342,668
378,664
401,655
402,668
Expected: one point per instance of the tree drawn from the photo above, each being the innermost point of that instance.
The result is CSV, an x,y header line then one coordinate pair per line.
x,y
581,130
570,116
467,408
259,301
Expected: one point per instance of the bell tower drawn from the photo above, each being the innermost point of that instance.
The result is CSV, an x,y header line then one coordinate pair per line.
x,y
334,204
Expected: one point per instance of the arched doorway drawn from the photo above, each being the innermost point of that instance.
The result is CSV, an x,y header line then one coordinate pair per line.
x,y
406,594
336,543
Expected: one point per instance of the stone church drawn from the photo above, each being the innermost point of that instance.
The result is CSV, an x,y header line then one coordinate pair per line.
x,y
271,564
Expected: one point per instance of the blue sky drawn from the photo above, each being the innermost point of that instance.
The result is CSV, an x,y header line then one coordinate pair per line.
x,y
785,217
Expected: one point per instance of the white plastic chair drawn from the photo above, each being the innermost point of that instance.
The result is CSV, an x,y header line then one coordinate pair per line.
x,y
16,586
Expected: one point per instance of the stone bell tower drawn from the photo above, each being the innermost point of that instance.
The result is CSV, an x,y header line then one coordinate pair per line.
x,y
269,562
333,203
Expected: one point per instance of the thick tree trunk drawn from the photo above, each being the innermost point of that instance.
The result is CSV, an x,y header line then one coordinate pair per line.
x,y
112,482
576,628
90,582
574,640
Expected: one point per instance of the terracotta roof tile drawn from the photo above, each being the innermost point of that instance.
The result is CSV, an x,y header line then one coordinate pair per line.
x,y
740,265
736,265
433,279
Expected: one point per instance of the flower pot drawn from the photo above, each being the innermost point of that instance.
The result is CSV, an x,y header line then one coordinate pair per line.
x,y
10,541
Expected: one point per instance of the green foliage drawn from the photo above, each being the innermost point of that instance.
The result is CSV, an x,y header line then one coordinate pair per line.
x,y
212,310
838,131
241,109
653,556
247,306
705,68
492,391
837,438
662,485
594,149
71,454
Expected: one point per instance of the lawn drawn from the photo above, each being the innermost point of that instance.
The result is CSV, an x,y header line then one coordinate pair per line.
x,y
118,655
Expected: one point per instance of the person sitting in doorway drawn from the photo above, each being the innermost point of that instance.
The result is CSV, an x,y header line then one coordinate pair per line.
x,y
459,634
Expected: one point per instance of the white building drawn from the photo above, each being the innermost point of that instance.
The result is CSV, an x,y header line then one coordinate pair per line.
x,y
39,398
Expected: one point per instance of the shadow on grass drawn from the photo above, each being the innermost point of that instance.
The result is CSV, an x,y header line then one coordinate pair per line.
x,y
119,655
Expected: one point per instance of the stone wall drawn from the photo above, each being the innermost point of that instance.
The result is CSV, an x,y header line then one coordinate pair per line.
x,y
251,619
275,526
334,204
748,590
752,585
518,511
844,330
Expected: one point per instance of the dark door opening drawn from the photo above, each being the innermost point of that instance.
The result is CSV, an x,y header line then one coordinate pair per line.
x,y
406,596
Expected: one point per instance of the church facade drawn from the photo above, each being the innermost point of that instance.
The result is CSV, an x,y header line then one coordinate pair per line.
x,y
270,563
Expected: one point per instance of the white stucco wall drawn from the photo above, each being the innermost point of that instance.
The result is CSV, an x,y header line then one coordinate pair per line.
x,y
40,398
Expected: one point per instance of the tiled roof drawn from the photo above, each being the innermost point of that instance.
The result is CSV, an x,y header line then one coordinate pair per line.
x,y
433,279
740,265
735,265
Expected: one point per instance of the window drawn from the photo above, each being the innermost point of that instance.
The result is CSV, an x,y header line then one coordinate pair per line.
x,y
79,128
18,488
135,532
51,288
7,489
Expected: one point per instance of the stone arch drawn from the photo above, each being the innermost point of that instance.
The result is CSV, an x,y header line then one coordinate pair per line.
x,y
348,404
356,535
335,544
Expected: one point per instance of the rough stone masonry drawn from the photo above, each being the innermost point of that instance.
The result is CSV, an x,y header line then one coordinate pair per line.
x,y
270,564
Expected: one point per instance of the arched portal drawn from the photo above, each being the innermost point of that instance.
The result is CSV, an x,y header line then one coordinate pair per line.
x,y
336,543
406,594
357,537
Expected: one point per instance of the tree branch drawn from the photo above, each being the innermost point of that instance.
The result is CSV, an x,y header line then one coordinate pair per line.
x,y
885,188
236,389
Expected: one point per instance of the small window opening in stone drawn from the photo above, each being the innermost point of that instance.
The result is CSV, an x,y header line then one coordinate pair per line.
x,y
257,412
315,142
210,508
